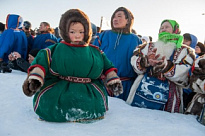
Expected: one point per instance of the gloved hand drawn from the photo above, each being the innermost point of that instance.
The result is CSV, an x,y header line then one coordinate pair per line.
x,y
30,87
113,83
160,65
4,67
152,57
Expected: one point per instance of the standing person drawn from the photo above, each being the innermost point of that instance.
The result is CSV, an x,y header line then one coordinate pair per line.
x,y
65,76
13,38
163,69
118,44
45,38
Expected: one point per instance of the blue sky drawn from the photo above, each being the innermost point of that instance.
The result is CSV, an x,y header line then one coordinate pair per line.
x,y
148,13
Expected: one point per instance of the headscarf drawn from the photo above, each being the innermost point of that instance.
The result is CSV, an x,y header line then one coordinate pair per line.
x,y
174,37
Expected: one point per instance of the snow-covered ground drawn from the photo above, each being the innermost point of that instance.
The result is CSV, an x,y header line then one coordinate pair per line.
x,y
17,118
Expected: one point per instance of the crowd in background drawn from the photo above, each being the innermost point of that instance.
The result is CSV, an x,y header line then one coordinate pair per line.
x,y
136,57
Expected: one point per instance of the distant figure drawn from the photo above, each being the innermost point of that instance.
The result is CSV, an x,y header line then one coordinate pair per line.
x,y
18,63
200,49
94,32
45,38
190,40
2,28
12,39
27,29
145,39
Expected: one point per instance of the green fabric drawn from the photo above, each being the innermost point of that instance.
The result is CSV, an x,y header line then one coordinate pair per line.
x,y
69,101
168,37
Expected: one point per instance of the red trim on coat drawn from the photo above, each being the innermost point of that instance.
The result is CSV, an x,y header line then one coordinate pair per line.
x,y
41,67
74,45
109,70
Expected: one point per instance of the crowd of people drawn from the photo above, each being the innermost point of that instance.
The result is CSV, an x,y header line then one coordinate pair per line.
x,y
74,68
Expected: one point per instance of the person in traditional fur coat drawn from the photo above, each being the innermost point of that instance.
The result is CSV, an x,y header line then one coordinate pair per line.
x,y
197,84
163,68
65,77
118,44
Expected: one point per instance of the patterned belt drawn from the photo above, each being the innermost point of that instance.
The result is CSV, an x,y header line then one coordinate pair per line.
x,y
75,79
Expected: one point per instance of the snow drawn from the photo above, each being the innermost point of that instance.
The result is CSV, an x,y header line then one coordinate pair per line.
x,y
17,117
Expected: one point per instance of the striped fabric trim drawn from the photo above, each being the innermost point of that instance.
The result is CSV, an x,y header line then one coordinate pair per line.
x,y
103,96
109,70
111,79
40,94
48,51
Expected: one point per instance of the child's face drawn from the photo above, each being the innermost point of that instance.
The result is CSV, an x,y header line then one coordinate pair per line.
x,y
76,32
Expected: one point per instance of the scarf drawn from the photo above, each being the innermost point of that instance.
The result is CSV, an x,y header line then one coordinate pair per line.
x,y
168,37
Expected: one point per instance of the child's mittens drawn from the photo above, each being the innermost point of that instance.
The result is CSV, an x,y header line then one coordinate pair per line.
x,y
114,84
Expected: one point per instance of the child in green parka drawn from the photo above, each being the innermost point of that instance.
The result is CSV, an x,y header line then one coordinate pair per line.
x,y
65,77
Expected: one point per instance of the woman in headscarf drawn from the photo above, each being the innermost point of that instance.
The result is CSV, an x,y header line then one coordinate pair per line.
x,y
163,68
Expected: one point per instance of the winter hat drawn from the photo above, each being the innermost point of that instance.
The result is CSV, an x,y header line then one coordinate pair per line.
x,y
128,15
27,25
34,52
192,38
201,46
72,16
174,25
94,29
146,38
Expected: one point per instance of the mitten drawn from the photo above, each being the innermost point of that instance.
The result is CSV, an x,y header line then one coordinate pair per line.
x,y
30,87
113,83
33,82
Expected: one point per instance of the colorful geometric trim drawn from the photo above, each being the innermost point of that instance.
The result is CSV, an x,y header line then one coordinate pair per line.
x,y
74,45
39,66
40,94
111,79
102,94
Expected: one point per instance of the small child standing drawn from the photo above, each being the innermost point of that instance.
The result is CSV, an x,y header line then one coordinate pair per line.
x,y
65,77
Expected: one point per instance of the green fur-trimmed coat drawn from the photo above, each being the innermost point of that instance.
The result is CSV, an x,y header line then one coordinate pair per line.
x,y
59,100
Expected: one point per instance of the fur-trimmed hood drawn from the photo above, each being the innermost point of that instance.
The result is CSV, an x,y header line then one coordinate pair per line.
x,y
129,16
75,15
